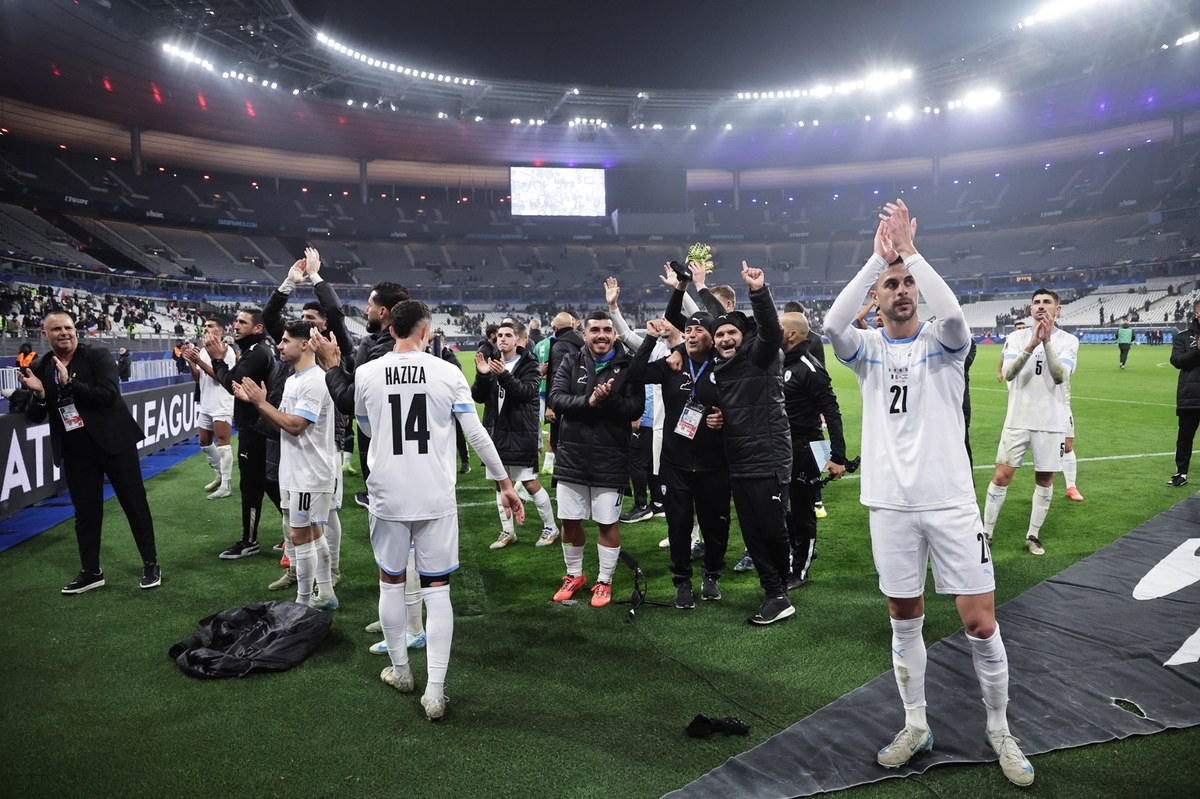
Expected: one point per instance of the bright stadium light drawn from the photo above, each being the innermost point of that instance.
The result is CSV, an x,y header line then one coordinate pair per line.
x,y
1059,9
1191,37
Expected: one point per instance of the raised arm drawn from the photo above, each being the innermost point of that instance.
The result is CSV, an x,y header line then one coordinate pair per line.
x,y
953,332
612,292
844,337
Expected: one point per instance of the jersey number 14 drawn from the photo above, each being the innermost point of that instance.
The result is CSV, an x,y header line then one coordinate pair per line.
x,y
413,426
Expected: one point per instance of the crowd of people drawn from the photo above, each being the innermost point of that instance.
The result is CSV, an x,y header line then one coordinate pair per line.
x,y
711,408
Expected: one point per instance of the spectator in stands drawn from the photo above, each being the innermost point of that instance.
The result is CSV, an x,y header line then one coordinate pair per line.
x,y
181,364
124,364
92,436
1185,356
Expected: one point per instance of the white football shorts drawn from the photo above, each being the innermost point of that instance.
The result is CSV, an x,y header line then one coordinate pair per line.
x,y
602,505
1047,449
305,508
904,542
435,542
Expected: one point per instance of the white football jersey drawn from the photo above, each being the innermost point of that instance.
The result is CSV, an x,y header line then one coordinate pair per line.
x,y
308,462
214,399
1034,401
914,455
408,400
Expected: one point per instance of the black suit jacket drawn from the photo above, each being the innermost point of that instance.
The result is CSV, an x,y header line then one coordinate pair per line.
x,y
97,395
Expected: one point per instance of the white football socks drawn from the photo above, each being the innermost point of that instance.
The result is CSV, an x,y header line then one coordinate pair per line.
x,y
908,664
393,618
304,558
573,557
992,504
1070,468
608,562
210,455
991,667
1041,506
324,575
333,535
412,594
439,634
506,521
225,465
541,500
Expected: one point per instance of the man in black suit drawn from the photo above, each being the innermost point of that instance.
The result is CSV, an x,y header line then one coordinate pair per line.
x,y
92,434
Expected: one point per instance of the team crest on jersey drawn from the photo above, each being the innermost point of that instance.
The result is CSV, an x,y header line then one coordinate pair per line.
x,y
787,375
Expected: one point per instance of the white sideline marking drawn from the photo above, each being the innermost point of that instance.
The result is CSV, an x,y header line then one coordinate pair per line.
x,y
1094,399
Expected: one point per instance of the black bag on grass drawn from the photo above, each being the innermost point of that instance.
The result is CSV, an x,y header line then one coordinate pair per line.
x,y
265,636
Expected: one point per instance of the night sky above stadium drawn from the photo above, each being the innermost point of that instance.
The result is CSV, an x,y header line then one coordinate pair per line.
x,y
701,44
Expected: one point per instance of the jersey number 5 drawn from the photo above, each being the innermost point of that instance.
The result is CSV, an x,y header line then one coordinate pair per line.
x,y
413,427
899,399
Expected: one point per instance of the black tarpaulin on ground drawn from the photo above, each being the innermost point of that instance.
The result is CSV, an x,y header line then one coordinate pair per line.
x,y
265,636
1123,624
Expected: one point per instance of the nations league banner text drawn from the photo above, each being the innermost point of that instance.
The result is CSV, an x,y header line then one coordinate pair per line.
x,y
167,416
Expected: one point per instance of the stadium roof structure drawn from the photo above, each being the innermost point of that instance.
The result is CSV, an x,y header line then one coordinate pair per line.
x,y
252,86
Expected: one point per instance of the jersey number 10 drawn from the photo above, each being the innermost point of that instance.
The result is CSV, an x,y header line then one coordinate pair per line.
x,y
413,427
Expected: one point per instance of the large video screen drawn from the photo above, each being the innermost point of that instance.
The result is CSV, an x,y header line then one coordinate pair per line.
x,y
554,191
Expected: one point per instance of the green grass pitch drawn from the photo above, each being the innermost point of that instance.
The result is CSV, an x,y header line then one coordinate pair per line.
x,y
546,699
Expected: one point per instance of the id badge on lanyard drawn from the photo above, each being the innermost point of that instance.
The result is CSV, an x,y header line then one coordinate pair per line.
x,y
689,419
70,414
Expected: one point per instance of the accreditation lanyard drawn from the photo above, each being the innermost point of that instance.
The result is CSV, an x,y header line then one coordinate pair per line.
x,y
70,415
693,412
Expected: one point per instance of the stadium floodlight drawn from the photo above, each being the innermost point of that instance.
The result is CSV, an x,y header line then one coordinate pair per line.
x,y
656,126
295,92
691,127
728,126
904,112
575,91
1191,37
982,98
1059,9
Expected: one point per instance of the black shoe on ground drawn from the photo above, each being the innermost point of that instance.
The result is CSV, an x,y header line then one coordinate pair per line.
x,y
242,549
684,599
660,512
151,575
698,550
84,581
278,547
638,513
710,589
465,468
363,499
1178,481
774,608
796,581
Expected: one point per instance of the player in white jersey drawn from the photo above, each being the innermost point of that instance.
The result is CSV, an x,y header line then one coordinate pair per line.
x,y
407,402
215,419
1037,362
916,478
308,470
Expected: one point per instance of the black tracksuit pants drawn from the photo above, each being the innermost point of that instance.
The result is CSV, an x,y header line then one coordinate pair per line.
x,y
761,504
801,519
85,466
690,496
252,481
1189,420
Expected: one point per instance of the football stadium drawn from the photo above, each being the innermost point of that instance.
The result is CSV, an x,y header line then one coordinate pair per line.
x,y
693,328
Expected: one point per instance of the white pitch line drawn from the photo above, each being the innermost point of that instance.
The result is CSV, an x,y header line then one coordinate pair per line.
x,y
1093,399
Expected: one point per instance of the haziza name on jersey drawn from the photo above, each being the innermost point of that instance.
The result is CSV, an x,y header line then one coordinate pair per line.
x,y
396,375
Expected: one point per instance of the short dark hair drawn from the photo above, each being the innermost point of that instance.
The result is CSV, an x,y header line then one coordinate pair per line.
x,y
299,330
389,294
407,315
793,307
60,312
596,316
255,314
517,327
1049,293
313,305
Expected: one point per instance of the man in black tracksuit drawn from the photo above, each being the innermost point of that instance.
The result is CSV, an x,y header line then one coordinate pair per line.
x,y
1185,356
808,394
749,377
507,387
596,407
256,361
339,377
693,471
